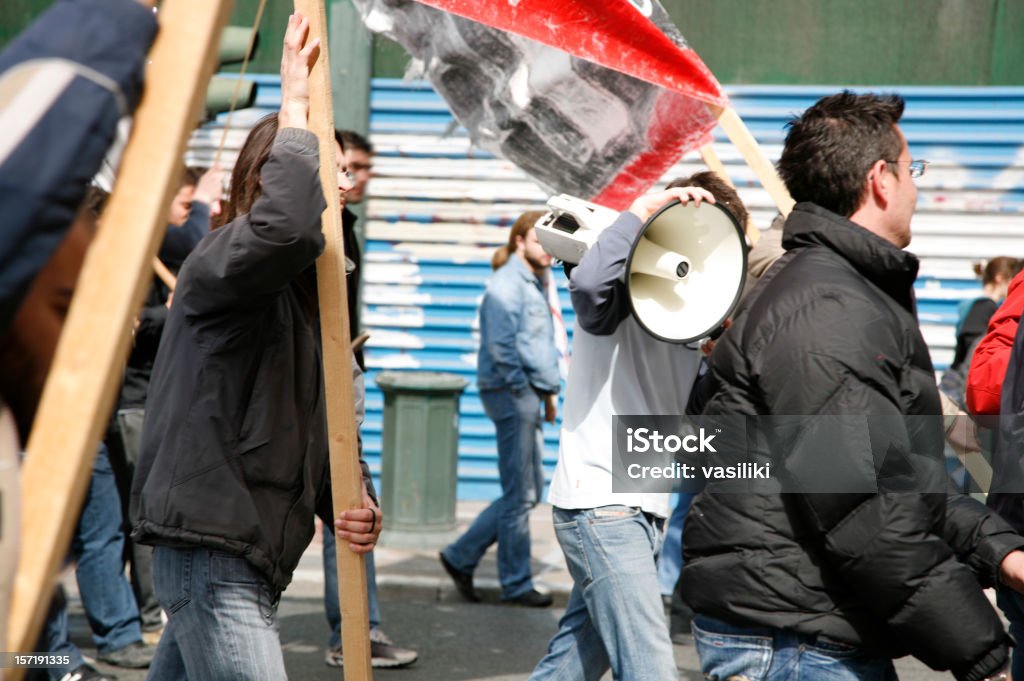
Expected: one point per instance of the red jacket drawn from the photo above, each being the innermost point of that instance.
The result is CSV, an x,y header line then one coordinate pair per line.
x,y
988,367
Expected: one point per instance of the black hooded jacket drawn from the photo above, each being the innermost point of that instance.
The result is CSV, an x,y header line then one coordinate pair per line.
x,y
234,448
832,330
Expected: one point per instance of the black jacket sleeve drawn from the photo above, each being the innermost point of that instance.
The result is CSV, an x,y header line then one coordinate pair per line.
x,y
258,255
979,536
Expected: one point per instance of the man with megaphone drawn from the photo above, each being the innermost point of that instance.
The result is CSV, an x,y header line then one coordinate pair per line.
x,y
611,541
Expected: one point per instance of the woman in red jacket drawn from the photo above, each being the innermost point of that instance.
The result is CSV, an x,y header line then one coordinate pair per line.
x,y
988,367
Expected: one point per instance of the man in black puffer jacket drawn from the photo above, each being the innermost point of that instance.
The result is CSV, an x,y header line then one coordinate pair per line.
x,y
843,581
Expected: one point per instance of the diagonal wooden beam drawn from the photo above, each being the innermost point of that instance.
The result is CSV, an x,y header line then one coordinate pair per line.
x,y
86,370
346,476
711,160
752,153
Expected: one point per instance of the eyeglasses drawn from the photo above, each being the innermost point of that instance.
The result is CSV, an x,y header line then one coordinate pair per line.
x,y
917,167
350,176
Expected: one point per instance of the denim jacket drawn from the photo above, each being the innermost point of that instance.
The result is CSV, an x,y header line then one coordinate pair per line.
x,y
517,346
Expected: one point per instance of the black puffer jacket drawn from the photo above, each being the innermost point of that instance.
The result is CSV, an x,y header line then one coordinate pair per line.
x,y
234,448
832,329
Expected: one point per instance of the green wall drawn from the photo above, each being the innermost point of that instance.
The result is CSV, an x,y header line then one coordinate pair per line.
x,y
830,42
16,15
902,42
921,42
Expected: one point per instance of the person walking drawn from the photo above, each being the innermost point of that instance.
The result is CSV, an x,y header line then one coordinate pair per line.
x,y
517,374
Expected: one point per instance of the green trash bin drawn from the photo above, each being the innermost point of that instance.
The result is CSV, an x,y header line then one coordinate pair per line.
x,y
419,457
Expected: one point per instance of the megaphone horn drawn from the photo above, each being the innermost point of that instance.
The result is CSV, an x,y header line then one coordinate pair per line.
x,y
650,258
686,271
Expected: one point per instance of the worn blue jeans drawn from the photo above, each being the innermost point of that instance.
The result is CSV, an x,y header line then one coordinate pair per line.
x,y
331,607
614,617
670,563
765,654
222,618
98,546
1012,605
107,598
517,420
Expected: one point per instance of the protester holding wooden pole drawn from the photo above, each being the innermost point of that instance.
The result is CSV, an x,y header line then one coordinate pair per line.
x,y
234,456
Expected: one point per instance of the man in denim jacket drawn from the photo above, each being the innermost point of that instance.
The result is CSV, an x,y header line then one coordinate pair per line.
x,y
517,369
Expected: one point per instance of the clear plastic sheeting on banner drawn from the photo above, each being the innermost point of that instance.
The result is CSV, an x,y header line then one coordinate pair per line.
x,y
576,127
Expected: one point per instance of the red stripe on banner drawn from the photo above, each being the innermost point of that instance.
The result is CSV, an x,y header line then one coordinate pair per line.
x,y
679,124
612,33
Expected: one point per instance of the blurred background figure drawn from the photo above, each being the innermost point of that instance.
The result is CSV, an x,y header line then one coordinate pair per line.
x,y
973,316
517,372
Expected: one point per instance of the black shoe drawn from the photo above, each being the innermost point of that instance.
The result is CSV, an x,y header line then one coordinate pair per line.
x,y
132,656
463,581
530,599
87,673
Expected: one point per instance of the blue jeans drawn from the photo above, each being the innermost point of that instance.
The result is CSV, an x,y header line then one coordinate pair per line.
x,y
331,607
614,617
517,421
1012,605
765,654
98,544
222,618
670,564
56,639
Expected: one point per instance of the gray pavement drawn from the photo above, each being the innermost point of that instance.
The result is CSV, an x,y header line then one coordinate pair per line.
x,y
457,641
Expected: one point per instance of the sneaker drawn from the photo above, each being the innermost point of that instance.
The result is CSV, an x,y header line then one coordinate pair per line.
x,y
384,654
334,658
152,637
87,673
463,581
530,599
132,656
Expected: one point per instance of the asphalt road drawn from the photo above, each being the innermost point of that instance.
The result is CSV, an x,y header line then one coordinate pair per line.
x,y
457,641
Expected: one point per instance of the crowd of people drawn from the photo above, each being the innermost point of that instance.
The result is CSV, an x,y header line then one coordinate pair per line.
x,y
214,465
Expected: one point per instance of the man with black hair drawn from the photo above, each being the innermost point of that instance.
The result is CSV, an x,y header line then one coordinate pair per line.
x,y
815,582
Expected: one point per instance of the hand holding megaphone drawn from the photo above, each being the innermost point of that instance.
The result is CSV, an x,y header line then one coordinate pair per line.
x,y
686,268
648,204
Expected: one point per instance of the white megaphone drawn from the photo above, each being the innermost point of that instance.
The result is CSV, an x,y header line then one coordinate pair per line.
x,y
571,227
685,271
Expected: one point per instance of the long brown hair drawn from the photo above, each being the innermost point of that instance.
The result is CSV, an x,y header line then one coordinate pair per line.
x,y
1003,268
520,228
245,177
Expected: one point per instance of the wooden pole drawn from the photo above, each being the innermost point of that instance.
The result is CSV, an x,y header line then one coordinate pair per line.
x,y
346,476
86,371
748,147
711,160
166,276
